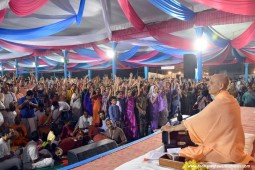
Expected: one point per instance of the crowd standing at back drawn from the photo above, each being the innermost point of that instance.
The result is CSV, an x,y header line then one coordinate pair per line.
x,y
61,114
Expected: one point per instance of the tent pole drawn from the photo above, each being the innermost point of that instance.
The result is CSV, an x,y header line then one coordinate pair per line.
x,y
17,68
36,68
246,73
146,72
65,63
114,64
89,74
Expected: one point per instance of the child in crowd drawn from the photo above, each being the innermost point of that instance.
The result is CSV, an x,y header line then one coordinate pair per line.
x,y
39,113
114,111
121,104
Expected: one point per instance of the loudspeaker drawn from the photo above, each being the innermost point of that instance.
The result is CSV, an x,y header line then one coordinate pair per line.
x,y
189,65
90,150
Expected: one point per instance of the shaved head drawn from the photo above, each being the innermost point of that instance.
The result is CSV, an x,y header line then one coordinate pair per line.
x,y
217,83
222,79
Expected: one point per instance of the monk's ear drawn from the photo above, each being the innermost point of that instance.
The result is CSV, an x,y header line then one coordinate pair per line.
x,y
221,86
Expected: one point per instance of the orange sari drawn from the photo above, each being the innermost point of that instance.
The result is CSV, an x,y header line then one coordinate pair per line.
x,y
21,140
97,104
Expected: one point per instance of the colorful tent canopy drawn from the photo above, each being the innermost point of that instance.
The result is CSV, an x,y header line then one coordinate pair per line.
x,y
147,33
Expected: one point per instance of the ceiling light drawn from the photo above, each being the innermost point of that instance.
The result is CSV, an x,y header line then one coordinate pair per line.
x,y
167,67
110,53
200,44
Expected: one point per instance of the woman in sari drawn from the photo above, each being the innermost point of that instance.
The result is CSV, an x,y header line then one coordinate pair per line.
x,y
97,104
131,128
154,107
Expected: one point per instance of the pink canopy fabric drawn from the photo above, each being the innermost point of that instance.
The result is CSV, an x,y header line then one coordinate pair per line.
x,y
121,65
243,7
245,38
208,18
26,7
131,15
143,57
76,56
101,53
248,60
14,47
71,47
45,52
23,7
172,40
71,65
2,13
42,62
250,56
159,31
221,59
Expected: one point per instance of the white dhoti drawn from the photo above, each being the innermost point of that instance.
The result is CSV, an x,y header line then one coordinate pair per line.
x,y
30,124
45,162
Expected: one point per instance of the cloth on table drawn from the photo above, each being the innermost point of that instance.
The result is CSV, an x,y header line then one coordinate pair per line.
x,y
150,162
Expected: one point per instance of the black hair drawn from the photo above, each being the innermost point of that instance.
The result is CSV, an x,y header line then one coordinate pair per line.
x,y
40,105
118,92
85,110
34,136
56,94
55,104
5,131
30,93
55,129
53,126
108,120
113,98
205,93
244,89
72,123
101,111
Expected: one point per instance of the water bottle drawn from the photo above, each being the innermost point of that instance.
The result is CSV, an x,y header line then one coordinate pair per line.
x,y
149,129
179,115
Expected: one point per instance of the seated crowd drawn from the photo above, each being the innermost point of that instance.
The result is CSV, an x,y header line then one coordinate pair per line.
x,y
41,121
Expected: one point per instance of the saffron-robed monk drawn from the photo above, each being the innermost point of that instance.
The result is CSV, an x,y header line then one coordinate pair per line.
x,y
217,129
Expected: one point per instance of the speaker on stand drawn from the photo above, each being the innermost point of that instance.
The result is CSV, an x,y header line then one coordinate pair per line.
x,y
189,65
